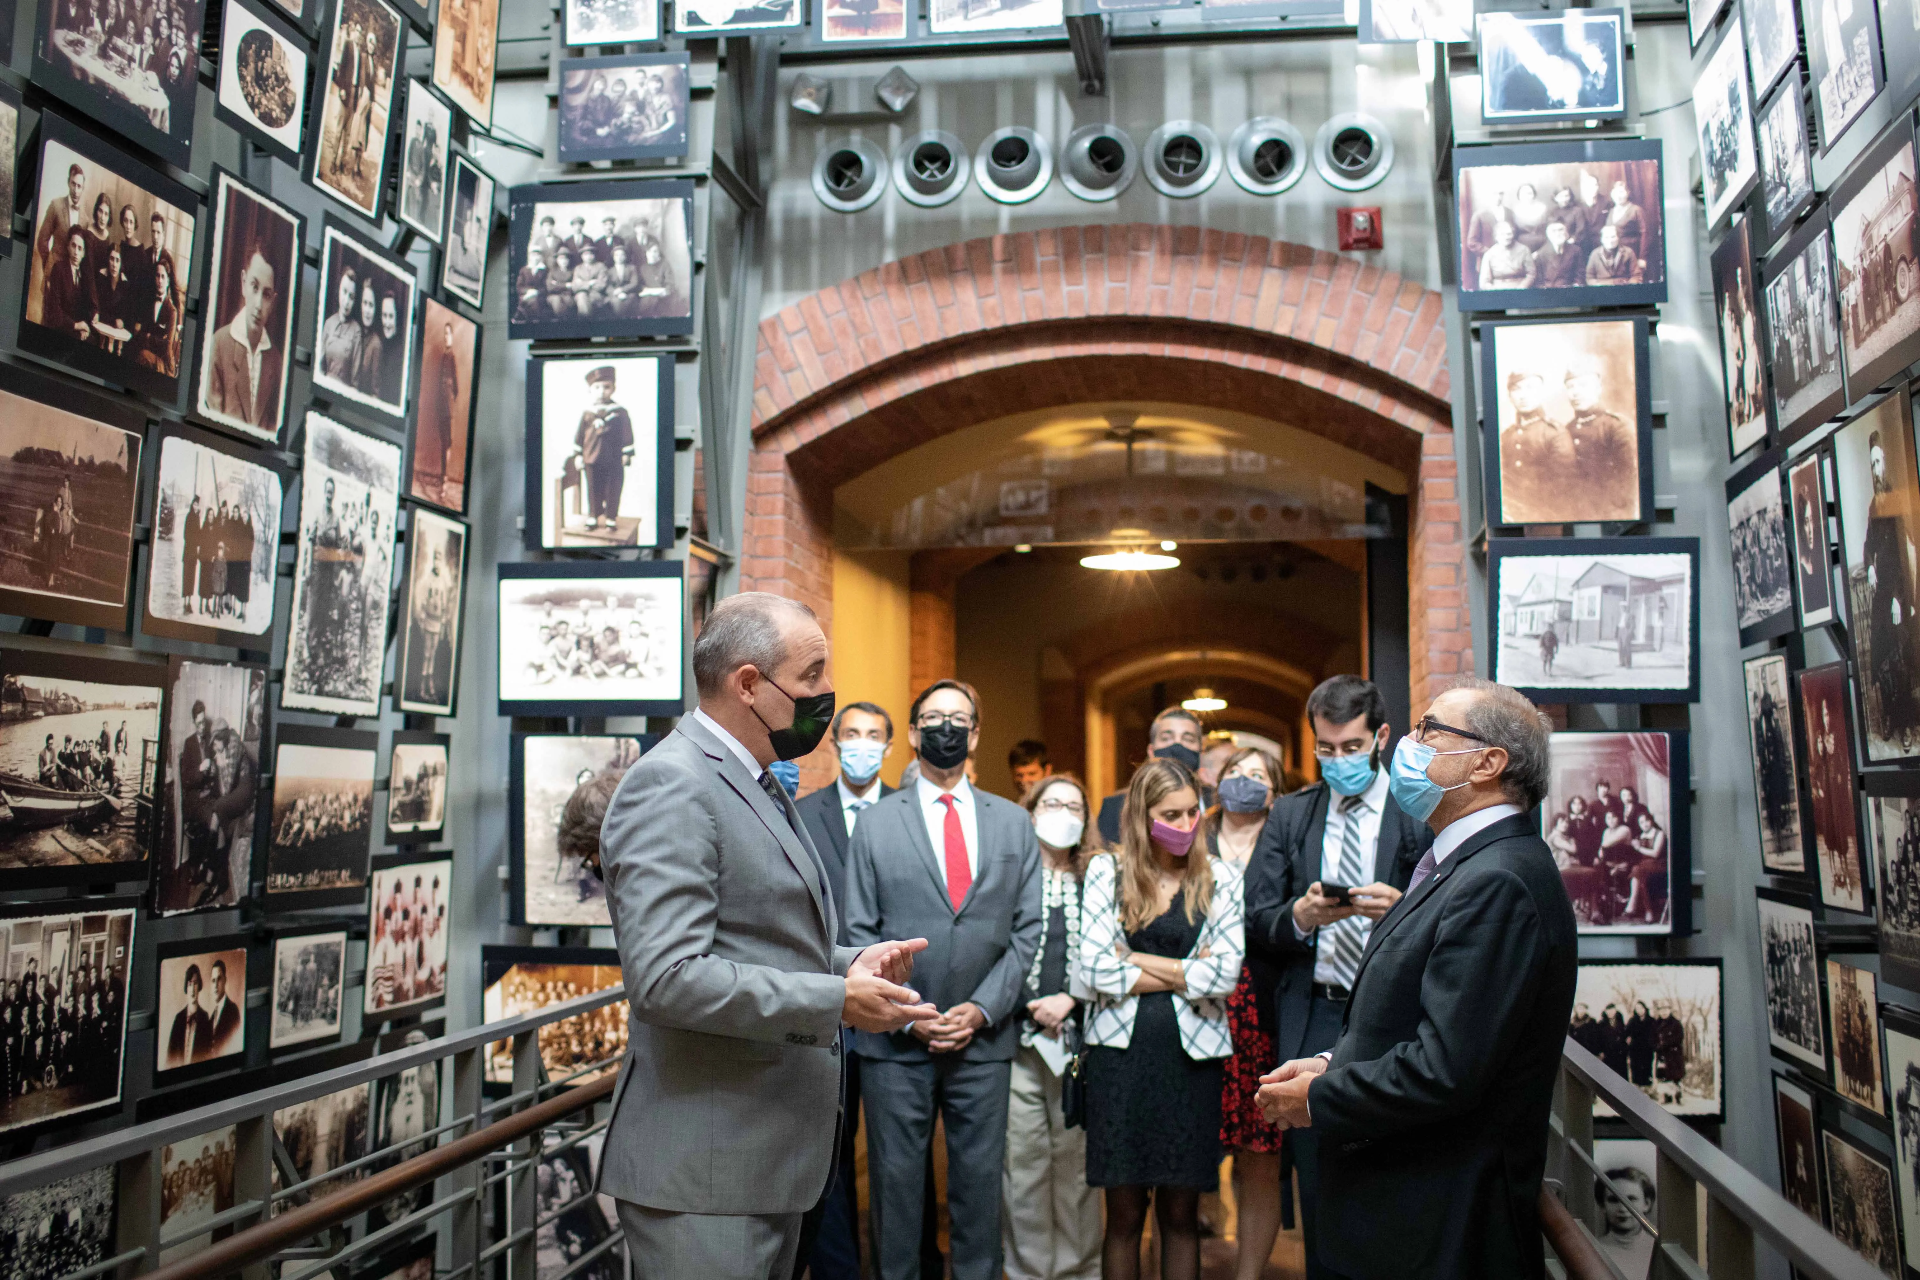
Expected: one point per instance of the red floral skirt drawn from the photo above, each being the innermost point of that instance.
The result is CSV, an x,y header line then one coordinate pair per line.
x,y
1241,1126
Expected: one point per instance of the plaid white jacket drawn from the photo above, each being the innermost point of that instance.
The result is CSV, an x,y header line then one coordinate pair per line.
x,y
1103,980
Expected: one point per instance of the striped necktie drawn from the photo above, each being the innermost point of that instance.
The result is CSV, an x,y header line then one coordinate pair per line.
x,y
1348,937
777,794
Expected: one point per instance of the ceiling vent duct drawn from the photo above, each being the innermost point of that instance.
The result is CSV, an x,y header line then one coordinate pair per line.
x,y
1353,152
1183,158
1013,165
1098,162
1266,156
850,175
930,168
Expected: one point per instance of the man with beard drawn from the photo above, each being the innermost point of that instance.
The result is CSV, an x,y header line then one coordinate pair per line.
x,y
1534,453
1889,553
603,443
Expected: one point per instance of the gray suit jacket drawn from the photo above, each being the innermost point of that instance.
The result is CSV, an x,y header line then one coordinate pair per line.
x,y
897,888
729,1097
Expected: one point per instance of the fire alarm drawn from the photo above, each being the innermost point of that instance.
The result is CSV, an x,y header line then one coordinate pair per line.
x,y
1360,229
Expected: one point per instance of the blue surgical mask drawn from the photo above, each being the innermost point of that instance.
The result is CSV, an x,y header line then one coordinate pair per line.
x,y
1349,775
860,760
788,774
1241,794
1417,794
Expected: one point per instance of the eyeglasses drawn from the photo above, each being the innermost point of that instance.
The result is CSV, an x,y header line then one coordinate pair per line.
x,y
934,719
1327,750
1073,807
1427,726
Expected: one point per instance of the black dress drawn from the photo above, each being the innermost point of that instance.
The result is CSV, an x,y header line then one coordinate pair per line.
x,y
1153,1113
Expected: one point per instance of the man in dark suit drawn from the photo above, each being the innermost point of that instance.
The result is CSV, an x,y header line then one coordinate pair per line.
x,y
191,1037
963,868
1432,1109
1175,734
1303,944
244,380
223,1019
66,303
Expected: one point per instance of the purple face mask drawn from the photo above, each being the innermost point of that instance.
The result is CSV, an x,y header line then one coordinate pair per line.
x,y
1173,839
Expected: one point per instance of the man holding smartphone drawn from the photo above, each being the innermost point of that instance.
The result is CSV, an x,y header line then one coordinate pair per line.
x,y
1333,858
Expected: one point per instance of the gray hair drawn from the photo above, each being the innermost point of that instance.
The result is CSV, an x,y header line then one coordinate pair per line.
x,y
1502,717
742,630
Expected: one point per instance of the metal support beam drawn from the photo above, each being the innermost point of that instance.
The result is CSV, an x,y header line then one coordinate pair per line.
x,y
1087,36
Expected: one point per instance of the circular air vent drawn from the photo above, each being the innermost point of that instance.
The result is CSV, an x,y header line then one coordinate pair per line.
x,y
1266,155
930,168
1013,165
1353,152
1183,158
848,176
1098,162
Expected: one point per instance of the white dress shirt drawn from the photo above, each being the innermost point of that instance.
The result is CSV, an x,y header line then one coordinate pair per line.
x,y
731,743
1367,813
254,355
935,815
852,802
1460,830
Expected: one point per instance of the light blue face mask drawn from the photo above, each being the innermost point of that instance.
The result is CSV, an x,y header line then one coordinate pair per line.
x,y
788,774
1417,794
860,760
1349,775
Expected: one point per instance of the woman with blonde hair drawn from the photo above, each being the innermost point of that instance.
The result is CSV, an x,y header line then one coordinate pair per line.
x,y
1160,949
1049,1217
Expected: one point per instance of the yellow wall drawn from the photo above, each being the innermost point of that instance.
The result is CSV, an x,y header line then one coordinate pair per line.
x,y
872,639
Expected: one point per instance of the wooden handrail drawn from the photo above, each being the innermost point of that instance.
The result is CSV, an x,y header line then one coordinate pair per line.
x,y
1574,1247
264,1239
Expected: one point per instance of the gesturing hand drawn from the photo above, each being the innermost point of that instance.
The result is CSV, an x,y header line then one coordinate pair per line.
x,y
875,1003
892,960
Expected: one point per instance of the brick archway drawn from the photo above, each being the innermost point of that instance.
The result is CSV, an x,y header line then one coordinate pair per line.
x,y
856,374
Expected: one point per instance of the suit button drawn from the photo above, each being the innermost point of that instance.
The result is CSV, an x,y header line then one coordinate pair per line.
x,y
834,1048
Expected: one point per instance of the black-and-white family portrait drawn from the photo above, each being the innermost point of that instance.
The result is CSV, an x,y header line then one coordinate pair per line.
x,y
1830,786
347,157
63,1012
196,1184
597,22
1853,1032
1799,1146
59,1228
628,107
134,69
1776,775
1876,249
1570,410
606,633
1762,559
1860,1209
429,657
216,721
363,332
308,970
1843,60
558,775
1786,170
528,979
1903,1082
1792,977
216,542
323,1134
1657,1023
1723,120
417,787
252,297
423,162
1602,625
321,832
590,260
1609,820
594,451
406,1105
1551,66
265,66
1878,488
1893,827
1804,326
464,40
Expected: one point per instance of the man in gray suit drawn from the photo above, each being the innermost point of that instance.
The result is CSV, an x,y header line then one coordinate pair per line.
x,y
727,1107
962,868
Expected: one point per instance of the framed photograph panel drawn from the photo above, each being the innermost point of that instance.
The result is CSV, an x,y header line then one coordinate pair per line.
x,y
1723,116
562,286
1582,224
517,980
1900,36
626,107
465,44
1736,301
1762,560
424,141
10,104
1572,405
556,783
442,438
1596,619
265,68
1773,40
1794,1112
1700,16
710,17
599,452
1878,487
1776,769
1792,978
142,84
407,937
1786,166
1902,1039
197,1173
1812,538
1853,1035
591,23
347,154
1831,797
216,541
463,262
1400,21
1618,826
1803,331
325,1133
309,969
320,838
252,283
216,731
86,1205
1893,830
363,336
1540,67
79,768
1843,61
1876,249
200,1007
431,614
606,634
865,21
417,786
1860,1199
1674,1005
91,953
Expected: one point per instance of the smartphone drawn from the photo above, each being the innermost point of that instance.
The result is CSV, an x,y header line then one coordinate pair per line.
x,y
1343,894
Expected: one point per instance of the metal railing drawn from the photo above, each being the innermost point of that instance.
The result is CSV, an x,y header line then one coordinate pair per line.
x,y
480,1156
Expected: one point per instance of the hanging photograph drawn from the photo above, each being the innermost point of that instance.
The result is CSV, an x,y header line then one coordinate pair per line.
x,y
53,1077
323,1134
590,23
79,762
519,980
142,84
1572,401
562,284
1596,619
1618,829
1900,34
216,541
60,1227
196,1185
606,634
442,438
1875,246
417,787
1776,773
321,832
10,104
705,17
1893,830
265,66
1742,365
600,452
1878,488
1560,224
363,333
463,262
554,775
1394,21
408,1260
1860,1209
1564,65
428,666
1830,786
98,299
1762,572
1803,327
407,937
629,107
423,162
464,50
253,270
1773,40
1843,61
1903,1081
1793,1109
1629,1169
1657,1023
406,1105
1700,16
216,726
1853,1035
1792,978
858,21
1786,170
342,572
309,968
347,153
1812,545
572,1223
1723,121
200,1006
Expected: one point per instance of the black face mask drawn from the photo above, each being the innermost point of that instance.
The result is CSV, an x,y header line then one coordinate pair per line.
x,y
944,745
1180,751
811,716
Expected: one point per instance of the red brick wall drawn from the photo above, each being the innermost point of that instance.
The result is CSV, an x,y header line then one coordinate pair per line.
x,y
856,374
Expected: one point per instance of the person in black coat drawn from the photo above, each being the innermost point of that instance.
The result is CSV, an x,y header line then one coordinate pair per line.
x,y
1175,734
1301,944
1432,1109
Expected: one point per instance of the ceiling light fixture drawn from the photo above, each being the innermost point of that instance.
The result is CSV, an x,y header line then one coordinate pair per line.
x,y
1132,560
1204,700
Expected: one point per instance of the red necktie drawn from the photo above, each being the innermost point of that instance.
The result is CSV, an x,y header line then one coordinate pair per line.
x,y
959,875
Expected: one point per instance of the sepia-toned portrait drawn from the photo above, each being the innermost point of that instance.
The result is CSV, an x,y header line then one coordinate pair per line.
x,y
308,969
1762,572
216,542
463,262
406,1105
567,1235
321,832
265,66
431,614
1843,61
407,937
521,980
558,794
216,726
601,259
1609,819
423,162
347,155
1812,539
61,1227
363,331
442,437
1804,328
1853,1035
140,80
599,452
631,107
246,353
1876,242
1878,488
1792,978
1611,624
464,51
596,22
1860,1210
1799,1149
1723,121
1786,170
63,1011
1893,829
1551,66
196,1185
323,1134
1742,366
606,634
852,21
1830,786
1776,774
200,1005
1903,1082
417,787
1657,1023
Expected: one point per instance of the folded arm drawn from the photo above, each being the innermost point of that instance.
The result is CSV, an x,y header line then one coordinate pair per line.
x,y
1099,969
1221,942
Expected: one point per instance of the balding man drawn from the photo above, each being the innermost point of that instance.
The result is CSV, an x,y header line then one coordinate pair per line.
x,y
726,1110
1431,1109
